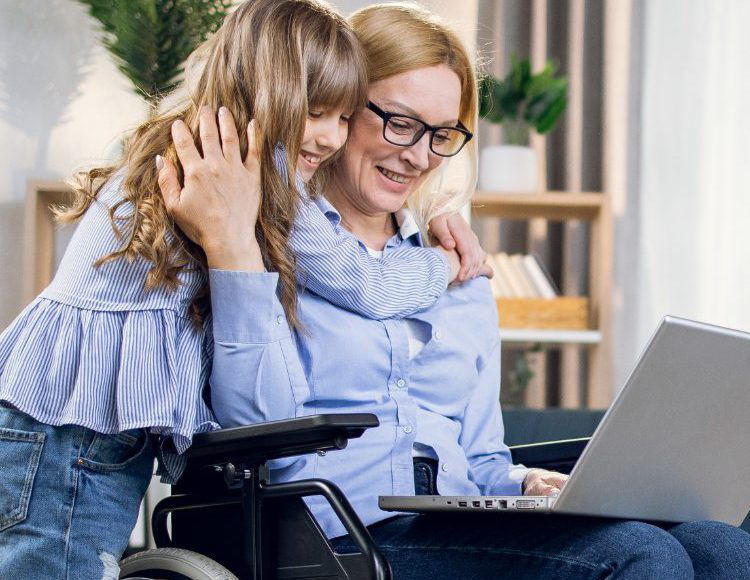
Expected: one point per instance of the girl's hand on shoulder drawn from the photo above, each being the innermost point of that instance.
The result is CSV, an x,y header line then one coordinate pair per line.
x,y
455,235
217,207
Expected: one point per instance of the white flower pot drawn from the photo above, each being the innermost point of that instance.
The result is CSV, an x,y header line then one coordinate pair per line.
x,y
508,169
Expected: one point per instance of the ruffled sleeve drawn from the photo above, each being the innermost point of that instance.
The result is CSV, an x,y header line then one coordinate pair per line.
x,y
108,371
96,349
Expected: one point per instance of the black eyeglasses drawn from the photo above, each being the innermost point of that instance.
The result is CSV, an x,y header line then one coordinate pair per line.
x,y
404,130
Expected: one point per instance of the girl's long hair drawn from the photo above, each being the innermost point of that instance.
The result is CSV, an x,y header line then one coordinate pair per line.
x,y
399,37
269,61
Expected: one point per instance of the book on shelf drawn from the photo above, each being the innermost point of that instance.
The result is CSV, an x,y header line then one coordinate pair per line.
x,y
519,268
520,276
509,276
539,277
498,283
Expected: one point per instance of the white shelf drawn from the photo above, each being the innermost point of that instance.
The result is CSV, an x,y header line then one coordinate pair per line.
x,y
525,335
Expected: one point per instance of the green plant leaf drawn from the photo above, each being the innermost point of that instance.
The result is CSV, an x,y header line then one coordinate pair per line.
x,y
151,39
536,100
544,109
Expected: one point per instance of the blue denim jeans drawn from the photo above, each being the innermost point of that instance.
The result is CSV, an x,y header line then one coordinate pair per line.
x,y
69,497
525,546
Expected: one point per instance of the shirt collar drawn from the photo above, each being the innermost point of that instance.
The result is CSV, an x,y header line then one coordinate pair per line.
x,y
407,224
328,210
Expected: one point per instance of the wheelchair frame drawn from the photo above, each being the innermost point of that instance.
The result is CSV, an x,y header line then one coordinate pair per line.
x,y
273,534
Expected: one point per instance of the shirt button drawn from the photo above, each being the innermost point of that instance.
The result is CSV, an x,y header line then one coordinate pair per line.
x,y
407,429
401,383
444,467
279,319
438,335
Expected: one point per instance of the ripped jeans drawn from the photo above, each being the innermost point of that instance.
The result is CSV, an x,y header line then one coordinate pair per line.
x,y
69,497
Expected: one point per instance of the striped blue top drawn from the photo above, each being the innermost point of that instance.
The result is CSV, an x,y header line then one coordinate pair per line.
x,y
96,349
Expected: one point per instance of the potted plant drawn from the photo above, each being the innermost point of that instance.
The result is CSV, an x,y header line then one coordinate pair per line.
x,y
521,102
151,39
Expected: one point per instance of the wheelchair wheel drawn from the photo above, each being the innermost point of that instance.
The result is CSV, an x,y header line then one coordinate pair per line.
x,y
172,564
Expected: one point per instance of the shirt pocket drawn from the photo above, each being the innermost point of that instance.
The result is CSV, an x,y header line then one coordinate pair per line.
x,y
20,452
114,452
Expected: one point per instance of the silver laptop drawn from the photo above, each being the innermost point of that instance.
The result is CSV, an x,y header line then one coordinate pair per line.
x,y
674,445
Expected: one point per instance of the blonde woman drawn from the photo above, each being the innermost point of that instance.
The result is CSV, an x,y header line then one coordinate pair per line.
x,y
432,377
117,348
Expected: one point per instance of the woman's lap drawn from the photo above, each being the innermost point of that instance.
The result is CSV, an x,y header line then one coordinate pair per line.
x,y
70,497
520,546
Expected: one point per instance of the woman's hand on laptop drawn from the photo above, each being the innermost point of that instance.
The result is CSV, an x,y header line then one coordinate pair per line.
x,y
543,482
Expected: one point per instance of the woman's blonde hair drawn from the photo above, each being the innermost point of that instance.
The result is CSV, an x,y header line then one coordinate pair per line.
x,y
269,61
399,37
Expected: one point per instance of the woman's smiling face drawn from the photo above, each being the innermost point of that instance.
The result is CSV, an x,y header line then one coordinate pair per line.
x,y
377,176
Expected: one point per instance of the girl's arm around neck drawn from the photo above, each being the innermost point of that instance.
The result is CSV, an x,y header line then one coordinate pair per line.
x,y
333,264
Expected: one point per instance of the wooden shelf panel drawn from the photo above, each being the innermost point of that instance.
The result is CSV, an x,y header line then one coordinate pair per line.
x,y
550,205
530,335
563,312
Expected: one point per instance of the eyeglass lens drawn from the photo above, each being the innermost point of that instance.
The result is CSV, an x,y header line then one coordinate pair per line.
x,y
406,131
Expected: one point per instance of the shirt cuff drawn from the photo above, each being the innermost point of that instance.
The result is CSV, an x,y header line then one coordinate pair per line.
x,y
246,308
517,475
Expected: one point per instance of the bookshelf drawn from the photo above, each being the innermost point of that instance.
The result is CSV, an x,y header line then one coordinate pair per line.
x,y
39,233
566,206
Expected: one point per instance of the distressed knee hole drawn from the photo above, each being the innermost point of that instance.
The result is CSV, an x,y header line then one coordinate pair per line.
x,y
111,566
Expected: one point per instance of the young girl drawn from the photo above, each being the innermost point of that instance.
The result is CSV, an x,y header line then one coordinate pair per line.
x,y
118,347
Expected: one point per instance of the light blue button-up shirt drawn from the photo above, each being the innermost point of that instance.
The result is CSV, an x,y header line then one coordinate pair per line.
x,y
445,399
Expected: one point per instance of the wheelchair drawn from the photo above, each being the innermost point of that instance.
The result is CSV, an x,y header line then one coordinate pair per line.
x,y
229,522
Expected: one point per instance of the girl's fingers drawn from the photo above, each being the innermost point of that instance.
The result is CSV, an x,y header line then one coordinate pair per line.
x,y
486,271
183,142
480,260
440,231
230,143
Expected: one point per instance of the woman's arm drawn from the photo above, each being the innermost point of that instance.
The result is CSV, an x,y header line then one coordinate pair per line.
x,y
256,374
482,437
482,433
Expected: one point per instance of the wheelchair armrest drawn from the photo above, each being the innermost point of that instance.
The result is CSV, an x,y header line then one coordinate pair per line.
x,y
261,442
554,455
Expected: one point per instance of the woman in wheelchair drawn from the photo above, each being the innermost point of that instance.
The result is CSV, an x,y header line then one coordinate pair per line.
x,y
117,348
431,375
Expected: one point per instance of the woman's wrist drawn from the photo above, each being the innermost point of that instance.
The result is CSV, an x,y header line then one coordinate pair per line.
x,y
236,257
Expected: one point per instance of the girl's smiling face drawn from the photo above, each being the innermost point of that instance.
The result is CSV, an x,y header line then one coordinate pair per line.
x,y
325,133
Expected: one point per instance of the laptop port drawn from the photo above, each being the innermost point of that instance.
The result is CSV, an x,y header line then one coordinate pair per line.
x,y
525,504
463,504
476,503
503,504
488,503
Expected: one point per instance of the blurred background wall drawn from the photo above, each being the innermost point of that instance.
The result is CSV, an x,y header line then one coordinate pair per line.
x,y
62,103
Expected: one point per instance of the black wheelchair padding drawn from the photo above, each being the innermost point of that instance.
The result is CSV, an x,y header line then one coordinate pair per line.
x,y
276,439
226,508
